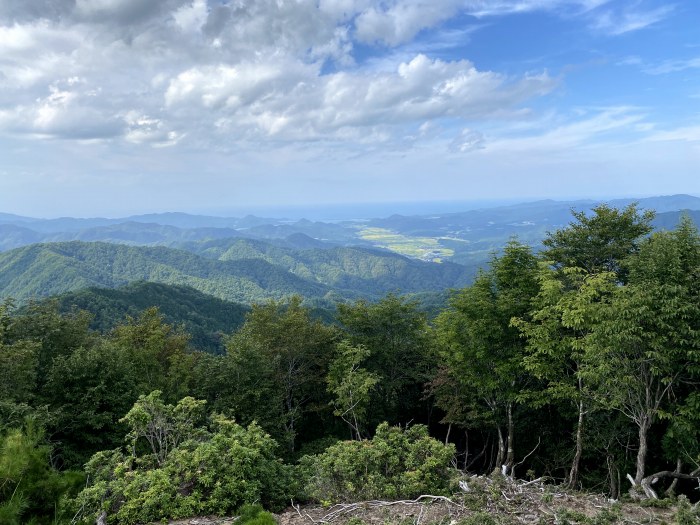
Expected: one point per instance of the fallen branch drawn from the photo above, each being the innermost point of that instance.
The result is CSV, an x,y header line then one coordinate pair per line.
x,y
648,481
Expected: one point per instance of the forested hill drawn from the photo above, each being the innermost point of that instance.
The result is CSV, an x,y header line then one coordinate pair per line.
x,y
204,318
47,269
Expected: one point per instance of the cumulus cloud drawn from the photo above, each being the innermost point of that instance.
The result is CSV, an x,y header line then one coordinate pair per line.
x,y
162,71
293,101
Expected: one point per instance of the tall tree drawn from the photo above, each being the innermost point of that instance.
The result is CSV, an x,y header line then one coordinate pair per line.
x,y
563,314
351,386
646,342
582,262
482,353
282,353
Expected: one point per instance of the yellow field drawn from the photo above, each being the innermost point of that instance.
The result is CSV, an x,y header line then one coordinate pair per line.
x,y
426,248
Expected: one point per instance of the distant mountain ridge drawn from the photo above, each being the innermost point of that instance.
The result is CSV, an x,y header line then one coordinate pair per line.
x,y
41,270
253,258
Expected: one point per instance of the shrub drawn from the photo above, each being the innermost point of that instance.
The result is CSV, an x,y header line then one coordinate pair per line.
x,y
224,467
396,463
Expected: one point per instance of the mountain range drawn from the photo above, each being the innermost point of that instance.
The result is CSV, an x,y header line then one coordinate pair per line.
x,y
252,259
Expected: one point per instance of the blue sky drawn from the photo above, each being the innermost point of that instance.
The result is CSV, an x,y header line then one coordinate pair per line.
x,y
114,107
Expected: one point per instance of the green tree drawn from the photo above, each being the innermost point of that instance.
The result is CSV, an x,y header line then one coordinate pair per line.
x,y
163,426
87,392
582,262
158,353
598,242
645,343
30,488
482,353
351,385
278,362
563,314
396,334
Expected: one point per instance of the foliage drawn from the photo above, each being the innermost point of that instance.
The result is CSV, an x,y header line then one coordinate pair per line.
x,y
481,354
396,335
254,514
395,463
242,271
351,385
685,513
205,318
276,366
600,241
30,488
211,469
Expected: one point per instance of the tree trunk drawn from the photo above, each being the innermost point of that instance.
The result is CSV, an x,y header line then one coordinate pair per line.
x,y
670,491
501,451
572,480
510,458
614,474
642,452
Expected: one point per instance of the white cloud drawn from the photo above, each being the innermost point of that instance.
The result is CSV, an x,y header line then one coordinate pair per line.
x,y
629,19
673,66
621,124
402,20
468,140
293,101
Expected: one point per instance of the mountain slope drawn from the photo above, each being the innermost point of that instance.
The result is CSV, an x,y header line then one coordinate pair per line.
x,y
364,270
47,269
239,270
204,317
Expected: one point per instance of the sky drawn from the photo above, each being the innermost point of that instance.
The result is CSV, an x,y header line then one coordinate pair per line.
x,y
117,107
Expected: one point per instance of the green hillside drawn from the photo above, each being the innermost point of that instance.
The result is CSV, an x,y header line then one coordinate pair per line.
x,y
203,316
242,271
366,271
41,270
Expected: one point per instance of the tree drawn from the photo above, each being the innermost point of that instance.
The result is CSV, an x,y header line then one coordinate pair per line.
x,y
645,343
87,392
30,488
351,385
396,335
598,242
278,361
158,353
163,426
562,315
583,261
482,353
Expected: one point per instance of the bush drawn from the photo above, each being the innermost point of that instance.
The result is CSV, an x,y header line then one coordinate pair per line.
x,y
396,463
254,515
225,467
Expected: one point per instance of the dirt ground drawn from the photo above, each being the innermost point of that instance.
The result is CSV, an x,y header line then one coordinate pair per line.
x,y
482,501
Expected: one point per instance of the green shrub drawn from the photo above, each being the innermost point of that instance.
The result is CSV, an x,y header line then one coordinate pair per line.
x,y
254,514
224,468
686,514
396,463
